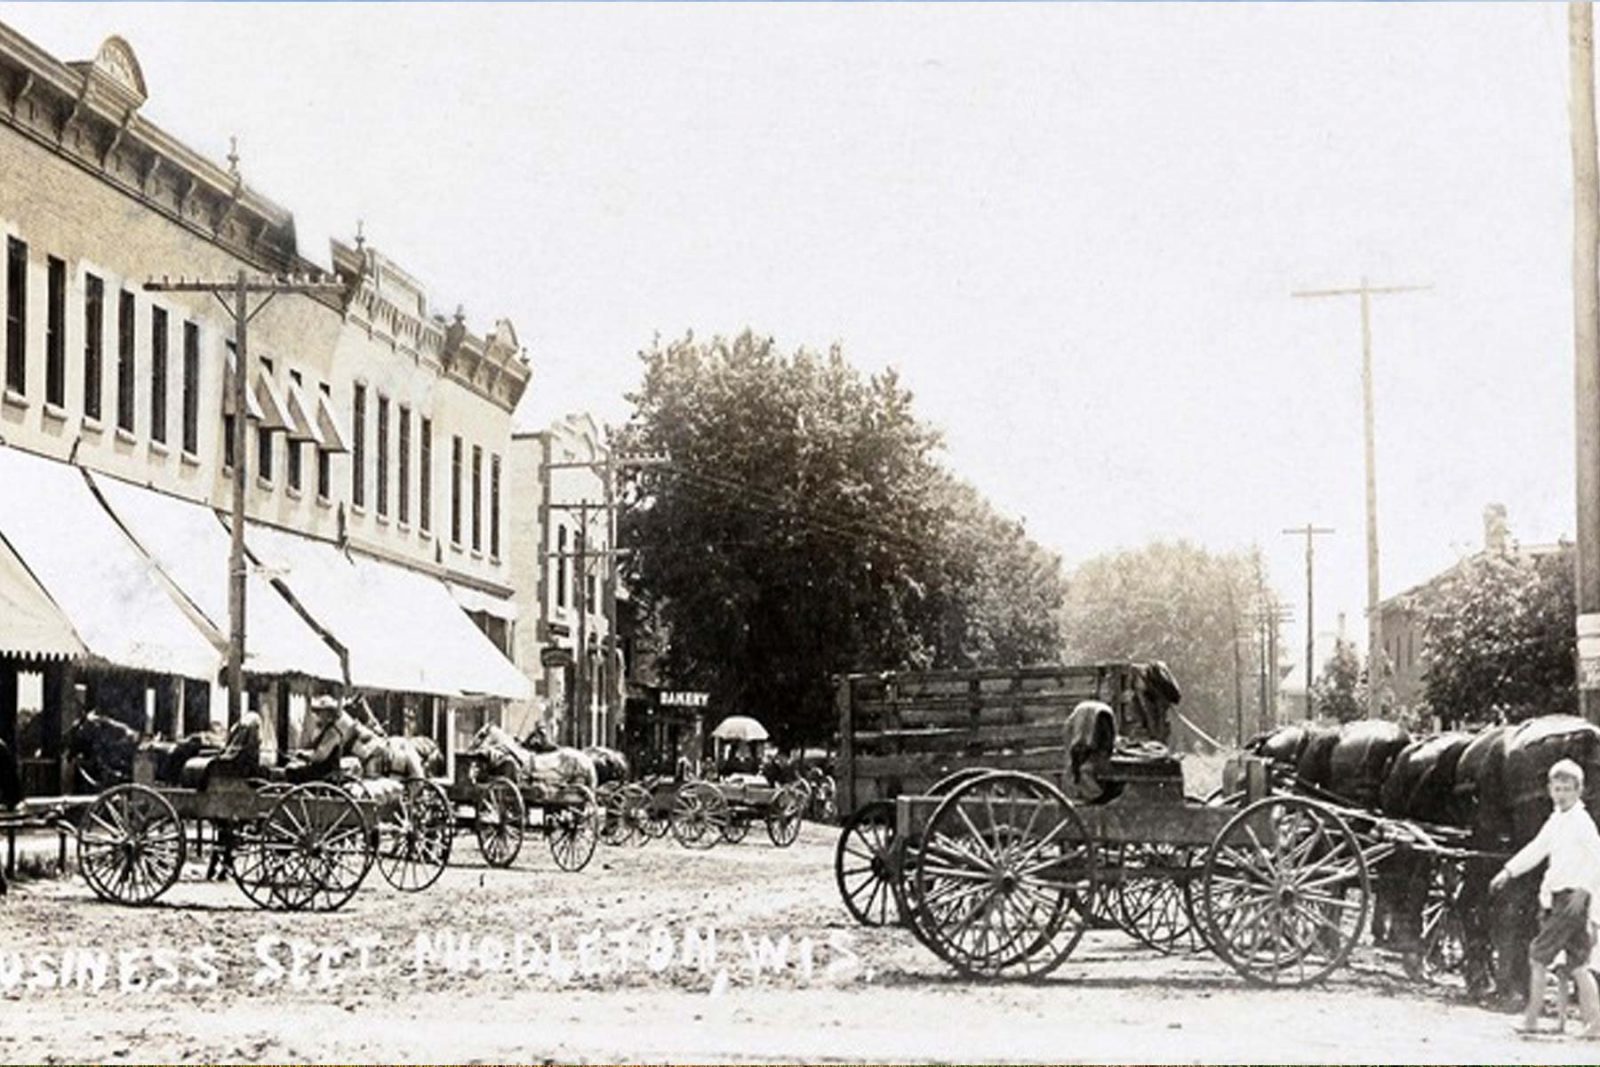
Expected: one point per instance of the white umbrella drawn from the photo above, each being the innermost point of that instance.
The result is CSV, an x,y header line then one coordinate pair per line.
x,y
739,728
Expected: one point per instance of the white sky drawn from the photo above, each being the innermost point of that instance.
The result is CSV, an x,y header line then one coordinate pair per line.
x,y
1073,228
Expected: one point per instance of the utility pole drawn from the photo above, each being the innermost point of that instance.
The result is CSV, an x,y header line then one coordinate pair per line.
x,y
1366,293
1586,345
580,676
1309,532
240,288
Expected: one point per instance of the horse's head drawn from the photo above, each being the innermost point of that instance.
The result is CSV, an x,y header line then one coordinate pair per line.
x,y
1155,690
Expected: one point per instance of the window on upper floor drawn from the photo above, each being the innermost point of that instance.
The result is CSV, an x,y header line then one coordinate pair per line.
x,y
455,490
403,475
94,339
191,388
55,333
494,506
158,374
477,498
358,447
425,477
16,315
125,360
561,566
383,455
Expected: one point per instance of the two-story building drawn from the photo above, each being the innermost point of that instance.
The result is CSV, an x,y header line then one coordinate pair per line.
x,y
376,458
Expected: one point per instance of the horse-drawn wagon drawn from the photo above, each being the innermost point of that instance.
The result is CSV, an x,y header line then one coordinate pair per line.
x,y
992,811
503,791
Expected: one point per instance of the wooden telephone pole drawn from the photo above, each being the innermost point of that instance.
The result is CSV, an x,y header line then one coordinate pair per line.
x,y
1366,293
241,288
1586,350
1309,532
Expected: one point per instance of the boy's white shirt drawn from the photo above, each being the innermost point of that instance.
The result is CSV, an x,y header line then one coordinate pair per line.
x,y
1570,841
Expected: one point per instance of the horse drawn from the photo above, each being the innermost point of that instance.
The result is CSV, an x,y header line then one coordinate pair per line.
x,y
507,756
609,764
102,749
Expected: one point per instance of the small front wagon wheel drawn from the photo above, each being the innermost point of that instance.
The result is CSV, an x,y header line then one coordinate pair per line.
x,y
864,864
1285,892
573,827
130,844
415,832
787,811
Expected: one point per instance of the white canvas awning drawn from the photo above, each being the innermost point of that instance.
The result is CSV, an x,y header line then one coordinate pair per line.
x,y
470,599
191,547
334,437
274,409
30,623
401,628
108,593
302,417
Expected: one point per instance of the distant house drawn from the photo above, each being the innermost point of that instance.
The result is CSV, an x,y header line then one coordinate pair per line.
x,y
1401,616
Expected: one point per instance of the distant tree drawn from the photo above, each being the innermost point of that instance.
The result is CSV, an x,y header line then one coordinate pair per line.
x,y
1340,691
803,528
1498,638
1180,603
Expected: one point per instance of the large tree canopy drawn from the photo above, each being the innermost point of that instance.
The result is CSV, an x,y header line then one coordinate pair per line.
x,y
1498,636
1180,603
802,527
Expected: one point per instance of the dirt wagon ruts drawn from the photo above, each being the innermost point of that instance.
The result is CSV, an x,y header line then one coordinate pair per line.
x,y
501,812
995,813
305,846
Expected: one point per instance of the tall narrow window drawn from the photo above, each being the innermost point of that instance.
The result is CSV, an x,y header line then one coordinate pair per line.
x,y
55,333
294,447
425,477
158,374
561,566
125,368
405,465
383,455
264,454
455,490
477,498
324,463
227,441
358,448
94,341
494,506
16,315
191,388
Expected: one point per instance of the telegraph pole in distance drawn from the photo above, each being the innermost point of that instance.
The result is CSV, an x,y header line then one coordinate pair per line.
x,y
241,288
1366,293
1586,351
1309,532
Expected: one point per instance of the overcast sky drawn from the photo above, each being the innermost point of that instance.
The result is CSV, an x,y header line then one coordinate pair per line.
x,y
1074,229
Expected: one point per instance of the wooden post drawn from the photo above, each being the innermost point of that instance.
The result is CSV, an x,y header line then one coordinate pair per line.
x,y
1586,354
847,747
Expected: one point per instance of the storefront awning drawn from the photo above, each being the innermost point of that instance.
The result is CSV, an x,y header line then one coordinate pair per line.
x,y
31,625
401,628
107,593
470,599
191,547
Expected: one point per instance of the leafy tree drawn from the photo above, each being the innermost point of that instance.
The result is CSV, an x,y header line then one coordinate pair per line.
x,y
1498,638
1340,691
1180,603
803,528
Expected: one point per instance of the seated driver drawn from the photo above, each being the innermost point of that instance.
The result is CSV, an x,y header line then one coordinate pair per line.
x,y
336,731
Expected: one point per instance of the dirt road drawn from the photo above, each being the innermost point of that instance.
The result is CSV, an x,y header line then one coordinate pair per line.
x,y
653,954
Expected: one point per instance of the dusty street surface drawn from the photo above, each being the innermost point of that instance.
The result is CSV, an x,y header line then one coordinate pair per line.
x,y
614,964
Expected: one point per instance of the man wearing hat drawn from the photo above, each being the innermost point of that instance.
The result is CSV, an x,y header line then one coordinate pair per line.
x,y
1569,896
336,731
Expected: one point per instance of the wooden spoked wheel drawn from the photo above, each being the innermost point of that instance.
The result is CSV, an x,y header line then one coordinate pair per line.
x,y
615,826
572,826
1285,892
638,808
415,833
864,864
1153,896
787,811
699,812
499,818
1003,876
1443,952
736,828
130,845
315,847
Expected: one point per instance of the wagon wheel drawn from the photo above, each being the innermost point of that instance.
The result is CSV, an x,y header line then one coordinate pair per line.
x,y
498,818
254,867
415,832
1153,896
785,814
1003,876
316,847
637,810
824,801
615,828
699,812
130,844
1285,892
864,864
736,828
1443,952
903,855
573,828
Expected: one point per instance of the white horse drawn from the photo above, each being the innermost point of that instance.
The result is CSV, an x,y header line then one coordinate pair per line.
x,y
507,756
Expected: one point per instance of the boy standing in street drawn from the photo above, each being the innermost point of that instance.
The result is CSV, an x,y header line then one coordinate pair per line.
x,y
1568,895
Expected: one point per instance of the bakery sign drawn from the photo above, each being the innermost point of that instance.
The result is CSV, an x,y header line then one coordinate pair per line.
x,y
683,698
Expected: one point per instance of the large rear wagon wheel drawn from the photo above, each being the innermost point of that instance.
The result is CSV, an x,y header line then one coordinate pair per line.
x,y
864,864
1003,876
1285,892
130,845
499,818
318,846
573,828
415,834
